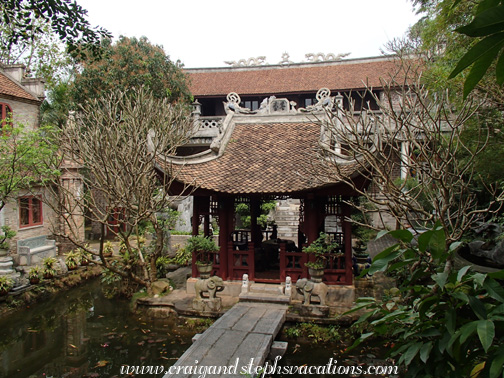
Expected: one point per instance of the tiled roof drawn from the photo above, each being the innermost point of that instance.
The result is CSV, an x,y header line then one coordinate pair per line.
x,y
9,88
260,158
343,75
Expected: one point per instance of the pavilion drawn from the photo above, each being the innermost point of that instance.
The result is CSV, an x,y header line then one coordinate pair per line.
x,y
270,153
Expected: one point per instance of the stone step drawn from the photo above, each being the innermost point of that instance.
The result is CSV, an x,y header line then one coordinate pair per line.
x,y
287,224
286,220
266,288
286,213
264,298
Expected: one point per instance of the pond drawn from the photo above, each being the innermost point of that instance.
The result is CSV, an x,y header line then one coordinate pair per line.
x,y
79,333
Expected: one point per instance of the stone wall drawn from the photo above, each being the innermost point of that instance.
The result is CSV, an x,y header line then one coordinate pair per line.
x,y
185,208
10,215
26,114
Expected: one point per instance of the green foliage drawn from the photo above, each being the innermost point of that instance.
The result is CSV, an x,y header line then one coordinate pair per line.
x,y
7,235
6,283
199,324
34,273
319,248
49,262
161,263
442,322
243,210
176,232
168,220
109,277
108,248
66,18
292,332
131,63
57,105
315,332
23,159
43,55
49,266
488,23
135,297
203,247
72,259
360,219
477,42
182,257
83,255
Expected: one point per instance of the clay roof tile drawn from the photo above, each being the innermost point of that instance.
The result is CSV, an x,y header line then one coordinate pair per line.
x,y
10,88
344,75
260,158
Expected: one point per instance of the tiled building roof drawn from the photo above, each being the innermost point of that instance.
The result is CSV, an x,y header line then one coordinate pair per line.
x,y
260,158
295,78
9,88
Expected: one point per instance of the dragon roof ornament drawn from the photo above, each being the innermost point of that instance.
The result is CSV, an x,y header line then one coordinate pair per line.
x,y
273,105
247,62
321,57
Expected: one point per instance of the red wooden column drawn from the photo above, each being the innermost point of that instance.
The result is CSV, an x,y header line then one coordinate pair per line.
x,y
312,219
201,206
226,226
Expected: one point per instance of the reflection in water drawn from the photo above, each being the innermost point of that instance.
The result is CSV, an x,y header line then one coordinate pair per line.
x,y
79,333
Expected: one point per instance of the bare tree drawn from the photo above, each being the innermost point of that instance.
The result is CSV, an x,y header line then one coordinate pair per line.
x,y
412,152
115,140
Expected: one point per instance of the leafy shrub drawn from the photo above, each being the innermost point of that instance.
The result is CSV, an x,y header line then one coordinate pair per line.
x,y
444,322
204,247
317,333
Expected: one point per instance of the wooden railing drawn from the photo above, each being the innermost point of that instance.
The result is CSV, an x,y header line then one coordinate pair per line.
x,y
292,264
214,257
240,262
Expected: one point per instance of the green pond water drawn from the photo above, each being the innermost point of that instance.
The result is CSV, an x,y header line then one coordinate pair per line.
x,y
80,333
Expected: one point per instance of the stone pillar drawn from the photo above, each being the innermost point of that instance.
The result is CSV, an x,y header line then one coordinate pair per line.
x,y
245,284
288,286
72,208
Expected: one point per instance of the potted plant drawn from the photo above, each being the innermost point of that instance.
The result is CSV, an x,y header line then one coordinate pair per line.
x,y
34,275
72,260
203,248
84,256
6,283
320,247
108,249
49,270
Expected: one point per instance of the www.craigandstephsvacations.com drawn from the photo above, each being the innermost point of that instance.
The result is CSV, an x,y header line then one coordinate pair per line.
x,y
248,368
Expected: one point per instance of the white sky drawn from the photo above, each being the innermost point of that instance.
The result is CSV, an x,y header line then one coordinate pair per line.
x,y
205,33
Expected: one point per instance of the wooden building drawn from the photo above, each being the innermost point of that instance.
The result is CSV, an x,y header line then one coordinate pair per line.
x,y
260,138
